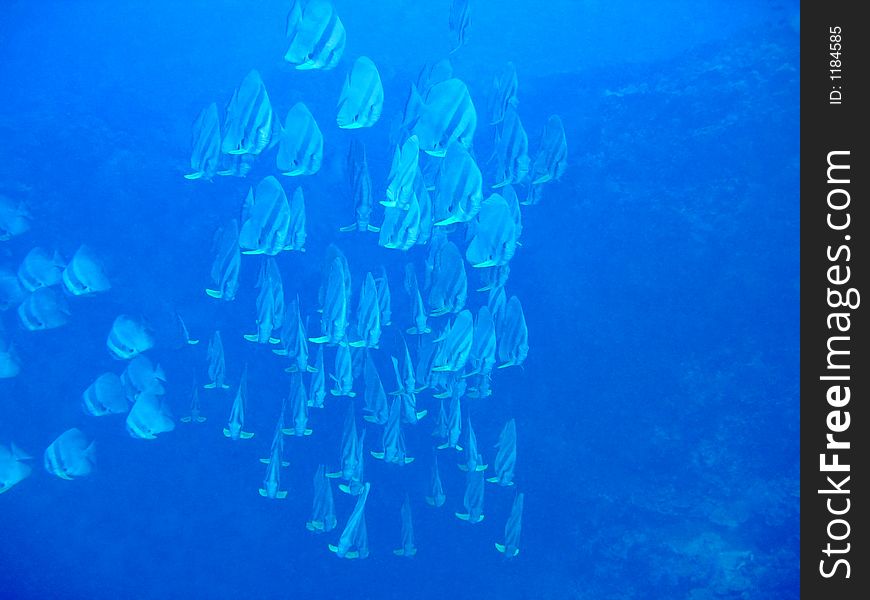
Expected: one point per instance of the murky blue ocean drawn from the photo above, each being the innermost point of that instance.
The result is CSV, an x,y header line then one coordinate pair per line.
x,y
657,270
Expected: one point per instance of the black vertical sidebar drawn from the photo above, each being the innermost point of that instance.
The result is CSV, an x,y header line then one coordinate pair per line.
x,y
835,369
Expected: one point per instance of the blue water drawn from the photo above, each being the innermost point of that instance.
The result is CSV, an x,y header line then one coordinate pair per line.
x,y
657,411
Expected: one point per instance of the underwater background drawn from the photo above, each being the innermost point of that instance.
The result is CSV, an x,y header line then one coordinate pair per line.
x,y
657,411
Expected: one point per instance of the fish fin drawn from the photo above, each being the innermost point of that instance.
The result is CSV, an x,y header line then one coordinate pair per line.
x,y
200,419
442,369
214,293
246,435
273,340
227,432
463,516
357,344
333,548
18,453
430,500
344,488
421,414
287,431
348,228
282,494
371,419
308,432
252,337
210,386
492,479
505,365
373,229
252,252
378,455
409,460
443,446
193,176
442,395
352,554
280,352
265,461
285,463
185,419
225,386
463,468
481,467
351,394
311,369
333,475
192,342
262,492
399,552
319,340
484,264
500,547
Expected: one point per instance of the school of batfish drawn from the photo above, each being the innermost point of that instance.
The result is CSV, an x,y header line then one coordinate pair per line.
x,y
434,197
